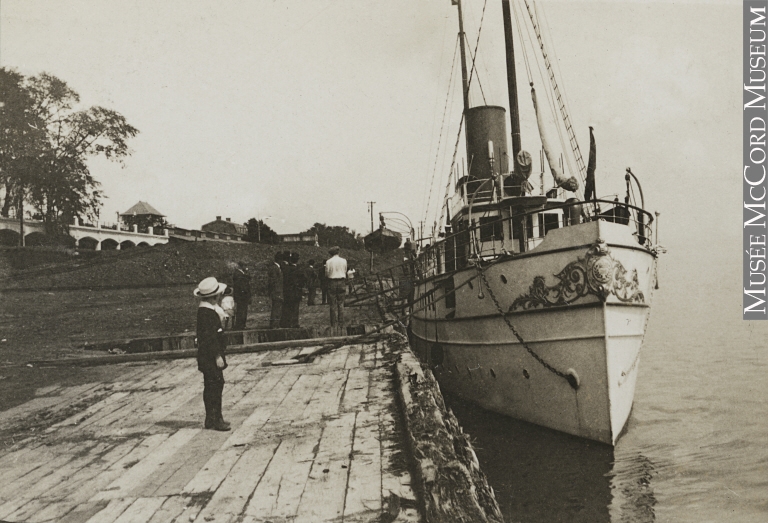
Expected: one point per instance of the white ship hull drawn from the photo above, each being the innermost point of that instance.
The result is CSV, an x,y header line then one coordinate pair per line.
x,y
585,316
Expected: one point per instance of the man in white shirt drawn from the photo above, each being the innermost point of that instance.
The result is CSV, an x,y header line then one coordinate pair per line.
x,y
336,274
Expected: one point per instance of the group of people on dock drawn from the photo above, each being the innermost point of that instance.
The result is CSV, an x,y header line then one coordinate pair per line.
x,y
286,282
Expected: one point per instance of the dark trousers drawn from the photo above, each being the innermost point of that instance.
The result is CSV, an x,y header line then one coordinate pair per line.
x,y
312,292
241,315
276,314
213,386
285,317
337,289
324,292
290,318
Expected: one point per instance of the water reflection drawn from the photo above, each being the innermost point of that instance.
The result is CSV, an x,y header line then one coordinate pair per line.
x,y
540,475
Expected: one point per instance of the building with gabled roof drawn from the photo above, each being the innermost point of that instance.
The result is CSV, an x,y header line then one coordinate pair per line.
x,y
142,209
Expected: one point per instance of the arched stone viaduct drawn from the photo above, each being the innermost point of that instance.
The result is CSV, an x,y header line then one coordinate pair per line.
x,y
95,237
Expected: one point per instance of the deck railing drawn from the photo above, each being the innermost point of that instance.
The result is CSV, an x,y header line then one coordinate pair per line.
x,y
487,240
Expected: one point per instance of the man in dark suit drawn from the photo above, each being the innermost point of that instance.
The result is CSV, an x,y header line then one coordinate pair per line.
x,y
211,344
293,286
311,281
275,288
241,291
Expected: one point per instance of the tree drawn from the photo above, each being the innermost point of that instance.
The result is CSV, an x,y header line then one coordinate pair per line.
x,y
260,232
55,178
22,139
328,236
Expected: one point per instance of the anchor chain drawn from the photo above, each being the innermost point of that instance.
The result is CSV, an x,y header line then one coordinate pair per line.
x,y
571,378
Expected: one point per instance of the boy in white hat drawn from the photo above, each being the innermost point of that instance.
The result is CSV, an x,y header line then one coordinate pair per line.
x,y
211,344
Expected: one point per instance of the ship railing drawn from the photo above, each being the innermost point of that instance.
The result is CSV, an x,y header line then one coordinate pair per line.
x,y
392,289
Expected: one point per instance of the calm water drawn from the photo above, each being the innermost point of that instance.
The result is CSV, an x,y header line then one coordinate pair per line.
x,y
696,448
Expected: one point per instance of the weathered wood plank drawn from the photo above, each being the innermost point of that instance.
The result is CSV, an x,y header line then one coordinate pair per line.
x,y
326,399
178,509
249,429
140,510
294,402
171,478
112,511
356,390
91,487
232,495
354,357
82,512
131,480
12,490
63,498
324,493
363,501
39,490
215,470
279,491
334,359
28,463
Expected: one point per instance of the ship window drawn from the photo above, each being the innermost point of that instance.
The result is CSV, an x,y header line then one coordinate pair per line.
x,y
491,228
548,221
528,227
516,227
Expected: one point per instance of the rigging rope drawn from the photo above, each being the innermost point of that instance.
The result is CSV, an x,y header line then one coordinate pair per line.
x,y
458,137
479,84
557,126
442,126
558,96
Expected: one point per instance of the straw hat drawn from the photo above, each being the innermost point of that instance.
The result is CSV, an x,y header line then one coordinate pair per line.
x,y
209,287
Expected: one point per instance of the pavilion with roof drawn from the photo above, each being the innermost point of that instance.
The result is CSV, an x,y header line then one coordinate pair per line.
x,y
143,215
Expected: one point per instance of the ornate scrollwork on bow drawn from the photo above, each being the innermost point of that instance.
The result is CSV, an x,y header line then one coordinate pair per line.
x,y
596,273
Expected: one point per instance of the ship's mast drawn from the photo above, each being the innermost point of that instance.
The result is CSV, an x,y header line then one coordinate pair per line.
x,y
514,114
462,39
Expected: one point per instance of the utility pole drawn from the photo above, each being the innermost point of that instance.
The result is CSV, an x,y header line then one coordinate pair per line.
x,y
370,205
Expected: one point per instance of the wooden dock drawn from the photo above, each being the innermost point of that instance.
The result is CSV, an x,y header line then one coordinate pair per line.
x,y
311,442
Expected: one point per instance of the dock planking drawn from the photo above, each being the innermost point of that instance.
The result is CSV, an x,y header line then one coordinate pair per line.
x,y
310,442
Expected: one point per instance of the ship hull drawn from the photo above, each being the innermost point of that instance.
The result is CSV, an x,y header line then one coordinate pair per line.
x,y
591,336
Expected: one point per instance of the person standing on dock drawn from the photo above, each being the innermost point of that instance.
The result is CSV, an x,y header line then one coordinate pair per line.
x,y
311,281
241,291
275,289
323,284
293,286
211,345
336,273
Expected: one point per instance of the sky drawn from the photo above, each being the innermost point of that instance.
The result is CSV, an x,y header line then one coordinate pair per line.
x,y
302,111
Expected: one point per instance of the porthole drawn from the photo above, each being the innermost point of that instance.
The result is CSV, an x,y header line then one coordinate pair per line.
x,y
493,373
525,373
470,284
503,279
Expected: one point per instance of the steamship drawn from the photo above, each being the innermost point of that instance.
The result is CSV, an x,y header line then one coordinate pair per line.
x,y
534,305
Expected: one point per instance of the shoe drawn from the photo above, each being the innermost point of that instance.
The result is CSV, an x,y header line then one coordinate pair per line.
x,y
218,422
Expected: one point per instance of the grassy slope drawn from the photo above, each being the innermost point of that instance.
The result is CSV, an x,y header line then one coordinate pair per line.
x,y
172,264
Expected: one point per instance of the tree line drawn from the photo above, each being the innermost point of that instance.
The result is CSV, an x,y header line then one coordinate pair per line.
x,y
46,139
327,235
